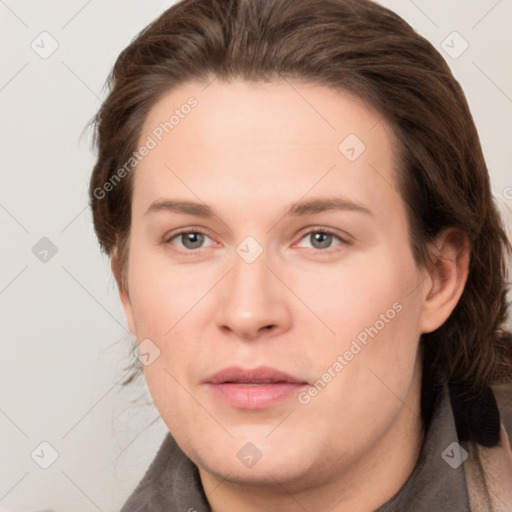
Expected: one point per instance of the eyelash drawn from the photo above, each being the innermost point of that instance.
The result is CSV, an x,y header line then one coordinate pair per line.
x,y
325,231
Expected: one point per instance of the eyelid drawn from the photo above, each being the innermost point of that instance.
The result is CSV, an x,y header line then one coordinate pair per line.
x,y
345,239
174,234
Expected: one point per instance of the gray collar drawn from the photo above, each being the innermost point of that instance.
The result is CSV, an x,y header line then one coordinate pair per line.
x,y
438,481
172,481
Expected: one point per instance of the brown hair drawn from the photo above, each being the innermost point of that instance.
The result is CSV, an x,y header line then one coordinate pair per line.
x,y
355,46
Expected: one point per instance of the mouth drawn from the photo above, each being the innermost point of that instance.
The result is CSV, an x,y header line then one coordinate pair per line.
x,y
257,388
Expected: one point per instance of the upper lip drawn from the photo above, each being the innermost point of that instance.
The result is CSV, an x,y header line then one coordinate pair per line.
x,y
259,375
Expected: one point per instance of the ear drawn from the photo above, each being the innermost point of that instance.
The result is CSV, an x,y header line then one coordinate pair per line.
x,y
123,294
448,273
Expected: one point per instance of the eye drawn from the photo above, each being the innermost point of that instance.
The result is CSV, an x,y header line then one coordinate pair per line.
x,y
321,239
189,240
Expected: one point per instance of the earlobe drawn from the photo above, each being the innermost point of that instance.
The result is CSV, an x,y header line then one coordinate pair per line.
x,y
448,274
123,294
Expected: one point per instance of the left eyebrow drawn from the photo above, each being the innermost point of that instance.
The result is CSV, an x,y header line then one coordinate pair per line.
x,y
320,205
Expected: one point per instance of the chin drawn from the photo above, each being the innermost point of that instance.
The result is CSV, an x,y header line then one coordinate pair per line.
x,y
257,458
271,470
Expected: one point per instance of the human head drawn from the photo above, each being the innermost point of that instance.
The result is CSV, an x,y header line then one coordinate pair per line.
x,y
231,62
354,46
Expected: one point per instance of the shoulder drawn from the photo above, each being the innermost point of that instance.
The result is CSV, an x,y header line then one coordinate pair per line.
x,y
488,469
171,482
503,394
143,495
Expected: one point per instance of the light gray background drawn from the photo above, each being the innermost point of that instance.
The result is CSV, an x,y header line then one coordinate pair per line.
x,y
64,338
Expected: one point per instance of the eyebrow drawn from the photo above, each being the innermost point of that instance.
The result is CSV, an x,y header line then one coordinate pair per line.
x,y
301,208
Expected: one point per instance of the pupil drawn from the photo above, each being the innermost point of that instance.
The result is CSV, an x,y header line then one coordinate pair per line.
x,y
192,240
323,240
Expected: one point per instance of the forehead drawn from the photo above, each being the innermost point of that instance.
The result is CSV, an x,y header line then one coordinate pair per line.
x,y
268,138
234,109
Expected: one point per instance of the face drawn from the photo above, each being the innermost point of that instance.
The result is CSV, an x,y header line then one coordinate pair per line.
x,y
271,274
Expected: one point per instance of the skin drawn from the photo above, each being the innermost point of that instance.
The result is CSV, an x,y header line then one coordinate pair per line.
x,y
250,151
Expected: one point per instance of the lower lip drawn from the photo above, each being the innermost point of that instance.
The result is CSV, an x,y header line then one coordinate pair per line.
x,y
255,396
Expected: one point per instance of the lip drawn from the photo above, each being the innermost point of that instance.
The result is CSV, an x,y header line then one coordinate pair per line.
x,y
253,388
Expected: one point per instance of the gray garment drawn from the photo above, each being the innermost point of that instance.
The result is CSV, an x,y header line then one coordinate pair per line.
x,y
172,482
434,484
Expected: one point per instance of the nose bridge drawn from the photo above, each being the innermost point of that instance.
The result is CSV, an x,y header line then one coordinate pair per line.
x,y
251,300
250,279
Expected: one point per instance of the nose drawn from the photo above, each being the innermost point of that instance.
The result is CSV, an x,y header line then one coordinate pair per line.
x,y
252,301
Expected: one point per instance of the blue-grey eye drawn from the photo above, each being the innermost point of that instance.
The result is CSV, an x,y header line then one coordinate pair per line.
x,y
320,240
192,239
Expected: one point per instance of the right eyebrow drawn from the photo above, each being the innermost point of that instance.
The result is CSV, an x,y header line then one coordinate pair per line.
x,y
182,207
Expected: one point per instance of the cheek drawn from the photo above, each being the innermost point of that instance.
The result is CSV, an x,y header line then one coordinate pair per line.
x,y
169,390
166,301
353,295
162,294
373,307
